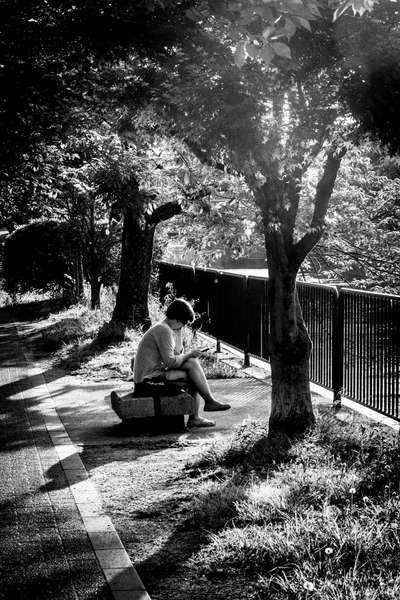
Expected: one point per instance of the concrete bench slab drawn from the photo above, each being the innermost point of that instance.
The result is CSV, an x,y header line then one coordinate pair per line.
x,y
143,413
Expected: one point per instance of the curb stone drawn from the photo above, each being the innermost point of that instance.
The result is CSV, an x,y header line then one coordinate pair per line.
x,y
115,564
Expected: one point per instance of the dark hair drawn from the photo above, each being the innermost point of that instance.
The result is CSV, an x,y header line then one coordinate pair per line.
x,y
180,310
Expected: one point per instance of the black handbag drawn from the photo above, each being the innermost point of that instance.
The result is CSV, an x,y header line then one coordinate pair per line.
x,y
156,388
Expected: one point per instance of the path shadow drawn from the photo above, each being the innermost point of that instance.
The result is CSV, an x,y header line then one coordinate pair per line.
x,y
31,311
197,520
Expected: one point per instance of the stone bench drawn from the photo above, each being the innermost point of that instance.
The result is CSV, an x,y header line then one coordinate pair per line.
x,y
164,413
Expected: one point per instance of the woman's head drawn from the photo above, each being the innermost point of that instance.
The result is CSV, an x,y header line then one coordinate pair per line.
x,y
180,310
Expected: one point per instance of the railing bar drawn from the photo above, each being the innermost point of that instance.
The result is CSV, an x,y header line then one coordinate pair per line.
x,y
370,351
397,368
351,327
391,355
365,329
385,371
376,358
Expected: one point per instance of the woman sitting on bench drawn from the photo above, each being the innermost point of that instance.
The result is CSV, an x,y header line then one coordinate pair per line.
x,y
160,359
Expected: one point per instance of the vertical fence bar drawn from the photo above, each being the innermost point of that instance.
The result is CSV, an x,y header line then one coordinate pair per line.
x,y
217,311
337,347
246,329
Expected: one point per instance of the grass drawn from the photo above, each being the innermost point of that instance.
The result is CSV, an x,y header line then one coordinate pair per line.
x,y
317,517
83,341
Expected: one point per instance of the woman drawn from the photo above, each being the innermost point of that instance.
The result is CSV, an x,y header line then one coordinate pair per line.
x,y
160,358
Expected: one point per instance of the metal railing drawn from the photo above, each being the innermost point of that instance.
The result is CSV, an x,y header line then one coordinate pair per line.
x,y
355,334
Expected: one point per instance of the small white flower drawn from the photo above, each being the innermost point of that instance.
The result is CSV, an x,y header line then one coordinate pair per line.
x,y
352,490
328,551
309,586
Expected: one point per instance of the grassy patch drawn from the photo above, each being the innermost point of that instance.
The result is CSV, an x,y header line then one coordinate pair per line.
x,y
317,517
83,341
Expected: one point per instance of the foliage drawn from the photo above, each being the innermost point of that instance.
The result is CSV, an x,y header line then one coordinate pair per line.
x,y
263,30
362,241
371,52
56,57
39,256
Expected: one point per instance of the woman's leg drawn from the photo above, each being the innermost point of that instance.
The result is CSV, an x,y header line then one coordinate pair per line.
x,y
194,419
198,380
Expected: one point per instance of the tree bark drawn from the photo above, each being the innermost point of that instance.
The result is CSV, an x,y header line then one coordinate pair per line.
x,y
95,288
289,343
290,349
131,307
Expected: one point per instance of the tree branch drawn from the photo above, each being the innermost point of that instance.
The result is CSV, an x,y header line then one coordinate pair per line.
x,y
322,196
164,212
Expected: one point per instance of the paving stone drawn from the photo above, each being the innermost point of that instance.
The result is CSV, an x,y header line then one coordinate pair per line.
x,y
113,559
105,540
75,542
124,579
131,595
101,524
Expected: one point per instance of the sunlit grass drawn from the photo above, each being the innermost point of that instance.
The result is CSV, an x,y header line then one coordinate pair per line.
x,y
315,518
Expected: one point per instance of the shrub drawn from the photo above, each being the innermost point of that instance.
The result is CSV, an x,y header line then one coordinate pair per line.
x,y
38,256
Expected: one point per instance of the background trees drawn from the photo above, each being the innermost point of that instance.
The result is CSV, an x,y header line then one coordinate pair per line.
x,y
275,125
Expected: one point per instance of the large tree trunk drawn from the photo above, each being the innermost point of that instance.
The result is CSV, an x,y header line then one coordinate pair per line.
x,y
289,344
95,288
131,307
290,348
140,221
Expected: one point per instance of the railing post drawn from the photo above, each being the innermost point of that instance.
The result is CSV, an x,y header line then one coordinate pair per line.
x,y
218,311
337,348
246,332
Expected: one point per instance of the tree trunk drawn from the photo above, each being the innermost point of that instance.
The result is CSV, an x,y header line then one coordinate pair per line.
x,y
131,307
290,348
78,276
95,288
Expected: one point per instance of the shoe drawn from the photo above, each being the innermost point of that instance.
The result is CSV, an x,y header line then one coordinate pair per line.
x,y
214,406
200,422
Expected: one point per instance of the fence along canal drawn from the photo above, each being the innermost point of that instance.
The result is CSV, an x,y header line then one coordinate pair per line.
x,y
355,334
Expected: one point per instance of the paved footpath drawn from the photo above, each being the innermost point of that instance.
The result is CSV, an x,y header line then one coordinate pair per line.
x,y
56,541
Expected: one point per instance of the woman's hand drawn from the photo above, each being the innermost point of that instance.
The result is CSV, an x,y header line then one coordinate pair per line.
x,y
195,353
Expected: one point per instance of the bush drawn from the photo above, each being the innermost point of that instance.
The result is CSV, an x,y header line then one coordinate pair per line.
x,y
38,256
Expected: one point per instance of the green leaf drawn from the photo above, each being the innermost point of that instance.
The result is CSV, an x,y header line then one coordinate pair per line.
x,y
281,49
342,9
252,50
301,22
266,53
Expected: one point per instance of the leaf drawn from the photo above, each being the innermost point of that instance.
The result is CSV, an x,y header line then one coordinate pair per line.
x,y
251,50
302,22
341,9
192,14
290,26
266,53
281,49
240,54
267,32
